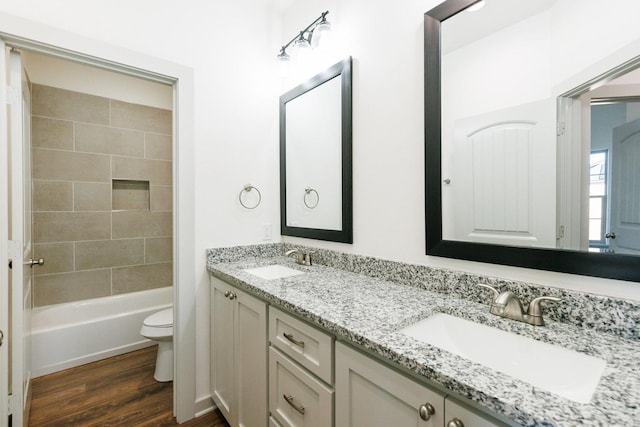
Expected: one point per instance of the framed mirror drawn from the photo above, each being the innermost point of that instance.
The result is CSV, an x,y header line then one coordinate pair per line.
x,y
316,157
522,139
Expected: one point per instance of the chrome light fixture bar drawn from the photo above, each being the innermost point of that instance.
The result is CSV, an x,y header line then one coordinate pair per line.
x,y
308,38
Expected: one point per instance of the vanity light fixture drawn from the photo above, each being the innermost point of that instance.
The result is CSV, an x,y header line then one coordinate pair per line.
x,y
309,38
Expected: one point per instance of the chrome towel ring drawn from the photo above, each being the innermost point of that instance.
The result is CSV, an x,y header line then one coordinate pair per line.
x,y
308,191
246,189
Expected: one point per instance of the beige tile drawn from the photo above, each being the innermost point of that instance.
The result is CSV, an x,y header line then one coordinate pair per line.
x,y
140,117
158,249
142,277
108,140
76,286
70,166
51,133
109,253
141,224
65,104
71,226
58,258
130,195
157,146
52,196
157,172
91,196
161,198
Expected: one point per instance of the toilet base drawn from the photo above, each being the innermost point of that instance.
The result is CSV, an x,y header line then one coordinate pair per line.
x,y
164,362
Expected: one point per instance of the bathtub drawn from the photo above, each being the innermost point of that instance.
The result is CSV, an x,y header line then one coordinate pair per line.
x,y
75,333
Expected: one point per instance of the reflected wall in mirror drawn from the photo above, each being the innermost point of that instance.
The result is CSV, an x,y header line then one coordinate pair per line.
x,y
315,157
532,135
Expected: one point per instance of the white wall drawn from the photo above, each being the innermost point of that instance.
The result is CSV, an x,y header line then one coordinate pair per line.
x,y
228,44
232,44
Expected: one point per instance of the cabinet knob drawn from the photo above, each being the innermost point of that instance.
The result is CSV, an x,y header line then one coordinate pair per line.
x,y
455,423
233,296
227,293
426,410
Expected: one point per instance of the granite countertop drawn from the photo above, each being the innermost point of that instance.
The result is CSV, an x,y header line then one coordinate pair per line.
x,y
370,312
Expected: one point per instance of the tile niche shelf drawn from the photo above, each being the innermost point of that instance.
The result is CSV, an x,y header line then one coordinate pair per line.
x,y
129,195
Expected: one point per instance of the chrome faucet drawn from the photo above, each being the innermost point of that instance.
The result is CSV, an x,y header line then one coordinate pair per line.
x,y
507,304
301,257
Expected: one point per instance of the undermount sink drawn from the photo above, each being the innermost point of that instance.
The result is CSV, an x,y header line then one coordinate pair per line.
x,y
275,271
564,372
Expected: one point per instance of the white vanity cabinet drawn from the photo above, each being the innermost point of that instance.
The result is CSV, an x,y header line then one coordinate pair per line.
x,y
370,394
300,373
238,355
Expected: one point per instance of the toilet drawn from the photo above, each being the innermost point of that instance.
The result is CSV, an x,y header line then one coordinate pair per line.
x,y
159,327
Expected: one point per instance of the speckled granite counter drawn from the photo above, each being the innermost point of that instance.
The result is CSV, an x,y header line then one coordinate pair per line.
x,y
369,312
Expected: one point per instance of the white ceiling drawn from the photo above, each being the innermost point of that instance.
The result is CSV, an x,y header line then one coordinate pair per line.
x,y
494,16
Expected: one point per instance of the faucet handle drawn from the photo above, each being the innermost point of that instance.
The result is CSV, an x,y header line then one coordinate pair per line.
x,y
307,257
492,289
534,306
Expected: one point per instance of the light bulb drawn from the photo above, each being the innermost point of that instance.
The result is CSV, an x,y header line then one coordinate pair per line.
x,y
320,33
301,48
476,6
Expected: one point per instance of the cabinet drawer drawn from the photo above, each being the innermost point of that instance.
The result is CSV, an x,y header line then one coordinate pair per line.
x,y
296,398
308,346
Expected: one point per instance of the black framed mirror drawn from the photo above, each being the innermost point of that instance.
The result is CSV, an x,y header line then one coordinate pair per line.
x,y
600,264
316,157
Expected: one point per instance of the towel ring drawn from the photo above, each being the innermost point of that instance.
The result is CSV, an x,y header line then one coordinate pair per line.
x,y
247,188
308,191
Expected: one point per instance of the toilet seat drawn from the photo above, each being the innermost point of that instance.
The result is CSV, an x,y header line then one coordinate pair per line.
x,y
161,319
158,326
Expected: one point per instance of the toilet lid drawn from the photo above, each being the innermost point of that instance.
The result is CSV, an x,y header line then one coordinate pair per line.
x,y
161,319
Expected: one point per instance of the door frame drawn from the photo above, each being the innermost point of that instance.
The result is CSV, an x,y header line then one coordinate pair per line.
x,y
32,36
4,247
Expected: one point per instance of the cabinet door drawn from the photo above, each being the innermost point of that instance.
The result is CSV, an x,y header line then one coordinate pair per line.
x,y
369,394
251,360
222,378
467,417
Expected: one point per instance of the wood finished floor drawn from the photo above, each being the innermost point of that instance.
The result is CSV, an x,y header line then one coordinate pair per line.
x,y
119,391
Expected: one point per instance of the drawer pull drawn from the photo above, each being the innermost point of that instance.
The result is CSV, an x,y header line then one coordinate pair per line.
x,y
455,423
426,410
293,340
289,400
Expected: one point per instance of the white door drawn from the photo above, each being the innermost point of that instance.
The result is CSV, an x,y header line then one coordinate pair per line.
x,y
20,276
624,232
504,177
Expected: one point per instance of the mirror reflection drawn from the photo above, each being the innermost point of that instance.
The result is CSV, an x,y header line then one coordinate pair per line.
x,y
540,149
315,157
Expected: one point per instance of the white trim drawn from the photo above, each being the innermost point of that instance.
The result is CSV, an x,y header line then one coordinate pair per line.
x,y
204,405
42,38
4,241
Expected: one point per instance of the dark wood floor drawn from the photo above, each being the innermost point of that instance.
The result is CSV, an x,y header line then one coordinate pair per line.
x,y
119,391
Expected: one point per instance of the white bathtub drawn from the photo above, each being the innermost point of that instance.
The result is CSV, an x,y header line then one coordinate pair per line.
x,y
75,333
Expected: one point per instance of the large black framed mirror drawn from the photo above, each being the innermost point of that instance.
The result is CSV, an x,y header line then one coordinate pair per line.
x,y
584,260
316,157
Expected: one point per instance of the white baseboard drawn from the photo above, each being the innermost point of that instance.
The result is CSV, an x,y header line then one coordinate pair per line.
x,y
204,405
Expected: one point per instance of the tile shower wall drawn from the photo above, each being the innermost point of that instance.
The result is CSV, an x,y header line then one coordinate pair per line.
x,y
90,153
